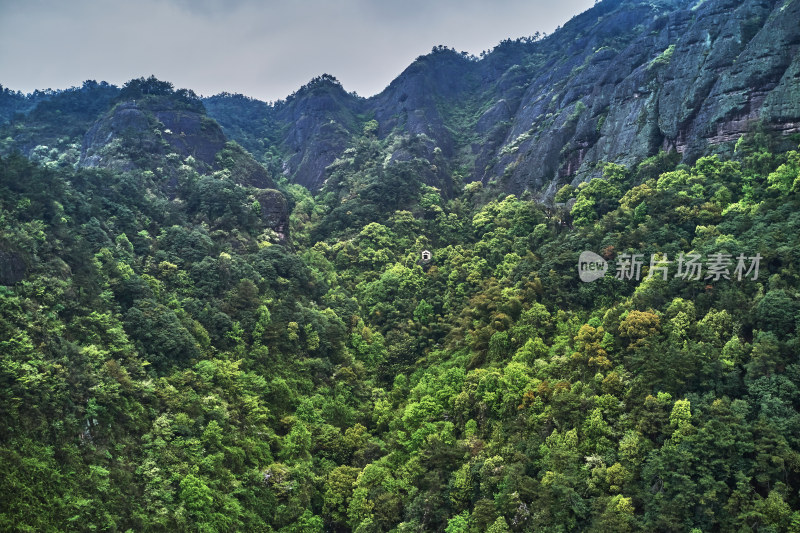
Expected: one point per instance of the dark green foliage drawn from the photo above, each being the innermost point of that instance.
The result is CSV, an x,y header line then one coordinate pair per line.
x,y
142,88
158,334
251,122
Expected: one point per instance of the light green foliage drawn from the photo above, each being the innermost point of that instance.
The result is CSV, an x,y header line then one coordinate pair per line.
x,y
371,127
787,176
374,244
681,414
594,199
663,59
423,312
499,526
458,524
564,193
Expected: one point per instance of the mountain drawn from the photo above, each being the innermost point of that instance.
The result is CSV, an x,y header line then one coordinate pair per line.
x,y
217,314
617,83
146,126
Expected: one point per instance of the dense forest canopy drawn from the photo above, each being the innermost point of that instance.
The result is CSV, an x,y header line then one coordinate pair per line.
x,y
165,366
215,315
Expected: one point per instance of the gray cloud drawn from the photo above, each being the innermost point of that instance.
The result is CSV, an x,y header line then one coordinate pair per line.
x,y
264,49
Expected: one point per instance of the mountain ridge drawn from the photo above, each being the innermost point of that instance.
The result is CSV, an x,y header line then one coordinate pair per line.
x,y
636,78
616,83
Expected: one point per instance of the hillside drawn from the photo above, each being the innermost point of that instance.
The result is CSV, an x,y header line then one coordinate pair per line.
x,y
215,315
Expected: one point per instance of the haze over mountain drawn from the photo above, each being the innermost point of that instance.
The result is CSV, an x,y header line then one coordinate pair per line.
x,y
262,48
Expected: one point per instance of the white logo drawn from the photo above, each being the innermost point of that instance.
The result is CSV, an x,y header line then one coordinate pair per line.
x,y
591,266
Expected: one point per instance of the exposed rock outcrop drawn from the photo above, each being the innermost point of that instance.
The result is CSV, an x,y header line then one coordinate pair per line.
x,y
274,211
130,128
12,267
616,83
322,120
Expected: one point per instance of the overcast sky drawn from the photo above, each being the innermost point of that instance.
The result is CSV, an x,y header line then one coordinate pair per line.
x,y
264,49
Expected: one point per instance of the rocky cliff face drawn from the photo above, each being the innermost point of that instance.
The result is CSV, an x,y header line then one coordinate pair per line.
x,y
274,211
617,83
421,99
724,68
130,128
323,119
620,82
12,267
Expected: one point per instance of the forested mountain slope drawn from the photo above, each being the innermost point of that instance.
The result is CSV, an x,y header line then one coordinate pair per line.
x,y
168,364
191,340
